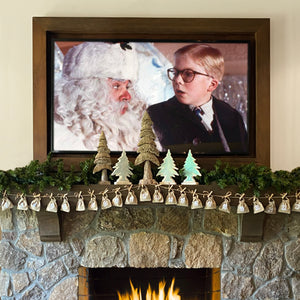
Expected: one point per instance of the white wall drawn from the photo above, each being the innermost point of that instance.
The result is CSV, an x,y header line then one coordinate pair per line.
x,y
16,62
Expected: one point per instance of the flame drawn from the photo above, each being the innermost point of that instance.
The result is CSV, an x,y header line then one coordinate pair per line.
x,y
136,293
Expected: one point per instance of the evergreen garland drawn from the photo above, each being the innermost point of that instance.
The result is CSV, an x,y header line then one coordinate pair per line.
x,y
51,173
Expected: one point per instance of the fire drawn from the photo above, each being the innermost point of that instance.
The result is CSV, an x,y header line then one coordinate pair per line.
x,y
136,293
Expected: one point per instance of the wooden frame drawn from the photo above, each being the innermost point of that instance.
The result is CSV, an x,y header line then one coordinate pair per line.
x,y
256,31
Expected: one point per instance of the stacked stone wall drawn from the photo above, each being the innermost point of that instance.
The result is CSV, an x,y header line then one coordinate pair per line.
x,y
149,236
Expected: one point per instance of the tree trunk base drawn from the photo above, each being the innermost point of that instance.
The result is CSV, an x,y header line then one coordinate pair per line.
x,y
147,178
147,181
104,177
104,182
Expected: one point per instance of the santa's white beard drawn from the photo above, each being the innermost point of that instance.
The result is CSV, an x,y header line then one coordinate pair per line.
x,y
121,130
86,110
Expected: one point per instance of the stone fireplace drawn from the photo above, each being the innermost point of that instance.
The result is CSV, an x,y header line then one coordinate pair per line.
x,y
149,236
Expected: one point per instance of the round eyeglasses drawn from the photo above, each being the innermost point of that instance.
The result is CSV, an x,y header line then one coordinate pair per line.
x,y
187,75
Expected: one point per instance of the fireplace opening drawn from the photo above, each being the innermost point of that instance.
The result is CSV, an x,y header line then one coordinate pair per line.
x,y
193,284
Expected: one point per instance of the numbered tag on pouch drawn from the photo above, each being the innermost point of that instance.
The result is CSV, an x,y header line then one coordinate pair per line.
x,y
157,196
65,205
93,205
22,203
225,205
183,200
284,206
52,205
131,198
36,202
196,202
117,199
105,202
6,203
210,202
257,206
271,207
242,206
296,205
145,194
80,205
171,198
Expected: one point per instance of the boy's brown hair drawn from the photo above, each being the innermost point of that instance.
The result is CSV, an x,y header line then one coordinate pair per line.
x,y
211,59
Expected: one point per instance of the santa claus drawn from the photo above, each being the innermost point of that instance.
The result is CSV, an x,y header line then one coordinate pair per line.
x,y
96,93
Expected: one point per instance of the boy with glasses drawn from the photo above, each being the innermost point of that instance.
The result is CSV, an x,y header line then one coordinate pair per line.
x,y
193,118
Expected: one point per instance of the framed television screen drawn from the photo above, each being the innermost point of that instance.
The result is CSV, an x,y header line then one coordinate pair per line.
x,y
105,75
